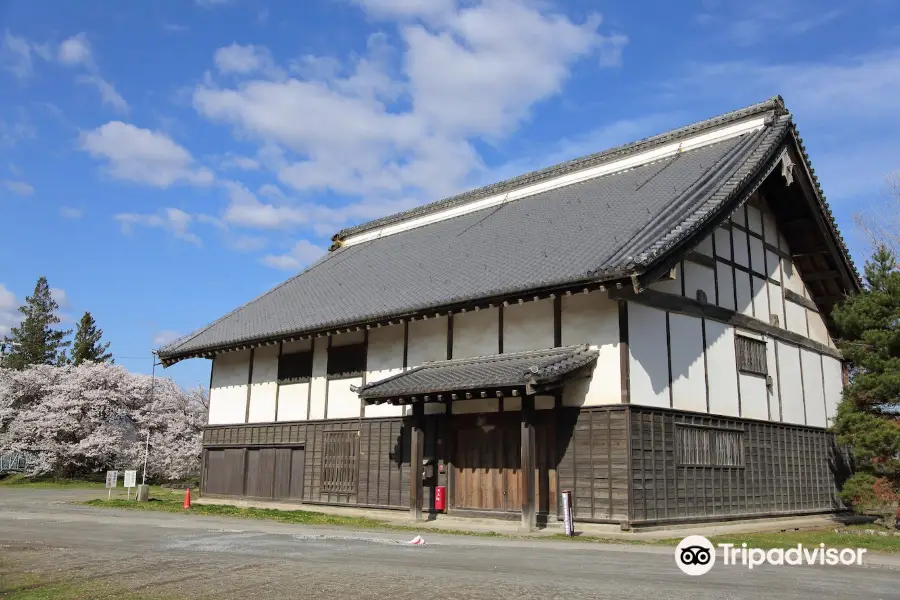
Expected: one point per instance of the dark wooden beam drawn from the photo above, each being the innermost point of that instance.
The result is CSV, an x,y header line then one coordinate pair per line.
x,y
820,275
693,308
800,253
624,354
801,300
529,512
416,454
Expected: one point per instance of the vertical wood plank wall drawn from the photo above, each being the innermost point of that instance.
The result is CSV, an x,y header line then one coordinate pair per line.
x,y
787,469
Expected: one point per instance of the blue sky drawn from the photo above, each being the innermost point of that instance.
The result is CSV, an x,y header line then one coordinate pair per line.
x,y
163,162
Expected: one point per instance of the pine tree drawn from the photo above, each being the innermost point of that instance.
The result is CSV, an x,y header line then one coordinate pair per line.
x,y
35,341
868,417
88,344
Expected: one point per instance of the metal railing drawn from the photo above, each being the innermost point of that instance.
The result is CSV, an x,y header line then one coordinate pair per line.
x,y
13,462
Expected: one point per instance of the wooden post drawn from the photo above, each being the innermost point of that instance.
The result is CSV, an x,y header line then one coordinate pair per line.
x,y
529,514
416,454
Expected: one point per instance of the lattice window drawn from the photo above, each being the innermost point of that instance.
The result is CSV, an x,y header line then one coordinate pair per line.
x,y
709,447
295,367
346,361
751,355
339,461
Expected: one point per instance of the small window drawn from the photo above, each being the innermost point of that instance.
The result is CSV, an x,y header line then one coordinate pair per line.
x,y
339,461
709,447
346,361
751,355
296,367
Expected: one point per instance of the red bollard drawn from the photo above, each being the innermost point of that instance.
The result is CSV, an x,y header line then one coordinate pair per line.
x,y
187,498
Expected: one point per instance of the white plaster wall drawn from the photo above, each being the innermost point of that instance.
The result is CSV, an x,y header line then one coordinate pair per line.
x,y
761,299
771,230
814,393
264,385
726,285
427,341
723,243
349,338
791,383
705,247
293,401
738,216
343,403
817,329
528,326
649,360
834,386
298,346
795,317
741,254
699,277
476,333
384,358
669,286
776,298
754,396
757,256
319,382
744,293
792,279
722,369
228,393
593,319
688,371
754,219
774,394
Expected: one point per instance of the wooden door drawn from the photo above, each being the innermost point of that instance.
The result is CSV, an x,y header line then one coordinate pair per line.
x,y
261,472
486,463
225,472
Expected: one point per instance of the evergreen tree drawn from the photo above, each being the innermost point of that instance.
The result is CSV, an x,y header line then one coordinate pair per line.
x,y
35,341
88,344
868,417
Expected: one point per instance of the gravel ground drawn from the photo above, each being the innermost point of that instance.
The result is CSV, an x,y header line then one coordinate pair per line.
x,y
47,541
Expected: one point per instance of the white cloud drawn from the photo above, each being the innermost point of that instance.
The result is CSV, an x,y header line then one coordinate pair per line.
x,y
174,27
20,188
17,54
749,23
143,156
302,254
76,50
247,243
235,161
9,311
397,124
67,212
12,133
166,336
108,93
59,295
243,60
175,221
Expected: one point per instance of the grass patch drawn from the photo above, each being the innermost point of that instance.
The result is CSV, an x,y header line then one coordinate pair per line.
x,y
49,482
77,590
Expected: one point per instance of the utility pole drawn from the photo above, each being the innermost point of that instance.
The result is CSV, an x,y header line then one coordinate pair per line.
x,y
144,490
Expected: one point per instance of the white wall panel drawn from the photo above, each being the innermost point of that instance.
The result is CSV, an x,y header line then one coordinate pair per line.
x,y
796,318
669,286
773,263
293,401
264,385
741,252
699,277
721,363
343,403
773,393
319,382
688,371
705,247
723,243
528,326
349,338
757,256
476,333
813,391
776,304
817,329
228,393
744,293
834,386
297,346
771,233
383,359
385,410
791,384
593,319
726,285
792,279
761,299
649,366
739,217
427,341
754,397
754,219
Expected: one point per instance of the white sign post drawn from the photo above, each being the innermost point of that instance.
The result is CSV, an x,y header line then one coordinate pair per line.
x,y
568,520
112,478
130,479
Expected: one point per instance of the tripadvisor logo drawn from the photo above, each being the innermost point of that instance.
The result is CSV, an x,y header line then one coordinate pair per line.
x,y
696,555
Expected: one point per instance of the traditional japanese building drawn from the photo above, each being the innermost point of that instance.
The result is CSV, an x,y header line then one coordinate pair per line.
x,y
646,327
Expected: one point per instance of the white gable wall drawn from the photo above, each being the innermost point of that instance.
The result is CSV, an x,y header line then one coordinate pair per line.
x,y
228,393
593,319
264,385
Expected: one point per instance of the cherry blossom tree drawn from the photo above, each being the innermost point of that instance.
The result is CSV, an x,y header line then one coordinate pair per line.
x,y
74,420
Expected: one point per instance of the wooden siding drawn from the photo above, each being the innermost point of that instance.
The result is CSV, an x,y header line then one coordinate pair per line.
x,y
786,469
593,450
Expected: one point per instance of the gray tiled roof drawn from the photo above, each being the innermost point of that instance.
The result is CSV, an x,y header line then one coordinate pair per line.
x,y
535,367
597,230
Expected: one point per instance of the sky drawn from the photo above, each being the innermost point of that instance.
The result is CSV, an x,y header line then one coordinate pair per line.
x,y
161,163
